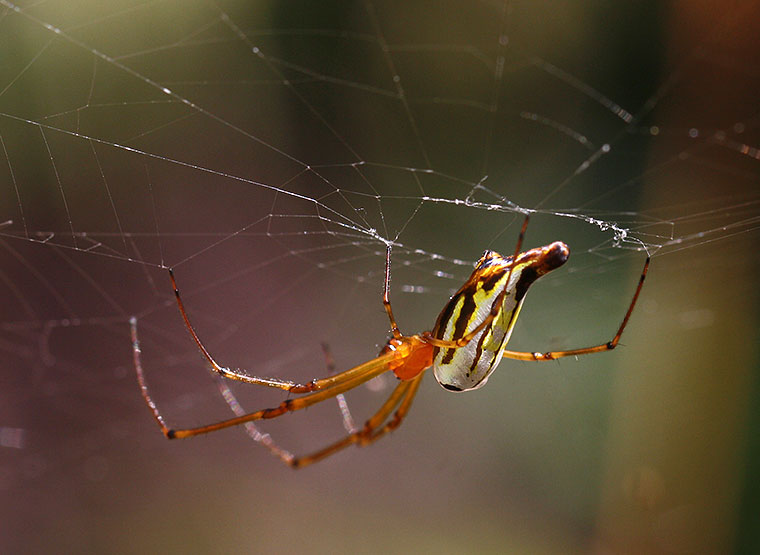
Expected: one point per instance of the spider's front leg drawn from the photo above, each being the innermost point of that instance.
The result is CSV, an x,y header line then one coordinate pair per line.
x,y
242,376
552,355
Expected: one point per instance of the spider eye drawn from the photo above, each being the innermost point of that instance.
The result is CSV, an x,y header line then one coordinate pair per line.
x,y
485,257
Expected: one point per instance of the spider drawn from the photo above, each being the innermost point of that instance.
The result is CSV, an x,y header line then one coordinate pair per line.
x,y
465,346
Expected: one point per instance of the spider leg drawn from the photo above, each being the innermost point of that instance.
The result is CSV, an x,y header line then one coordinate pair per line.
x,y
386,294
552,355
355,437
242,376
250,428
348,420
400,413
264,438
359,374
401,397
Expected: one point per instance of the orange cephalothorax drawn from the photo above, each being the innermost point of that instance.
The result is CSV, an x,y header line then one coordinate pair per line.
x,y
414,355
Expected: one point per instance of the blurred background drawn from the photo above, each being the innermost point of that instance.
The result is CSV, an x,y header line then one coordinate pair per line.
x,y
267,151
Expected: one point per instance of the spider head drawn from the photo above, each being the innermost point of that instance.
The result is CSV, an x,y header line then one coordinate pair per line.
x,y
412,355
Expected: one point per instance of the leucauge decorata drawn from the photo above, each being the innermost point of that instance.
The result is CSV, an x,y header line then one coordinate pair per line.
x,y
467,343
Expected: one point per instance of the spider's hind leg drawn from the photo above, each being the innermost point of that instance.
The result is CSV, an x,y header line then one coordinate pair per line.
x,y
401,397
348,420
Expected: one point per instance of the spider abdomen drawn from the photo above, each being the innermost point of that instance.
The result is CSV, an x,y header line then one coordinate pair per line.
x,y
469,366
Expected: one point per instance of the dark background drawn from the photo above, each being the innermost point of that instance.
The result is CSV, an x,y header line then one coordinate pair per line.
x,y
108,180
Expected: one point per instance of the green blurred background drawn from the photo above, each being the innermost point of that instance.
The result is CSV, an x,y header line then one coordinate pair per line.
x,y
649,449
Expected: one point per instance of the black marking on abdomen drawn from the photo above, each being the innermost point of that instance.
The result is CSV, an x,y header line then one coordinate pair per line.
x,y
460,326
451,387
527,277
482,338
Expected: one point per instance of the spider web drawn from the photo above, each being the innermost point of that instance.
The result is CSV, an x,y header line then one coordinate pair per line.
x,y
270,154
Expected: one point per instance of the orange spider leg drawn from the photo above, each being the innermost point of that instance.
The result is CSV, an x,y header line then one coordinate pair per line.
x,y
264,438
348,420
402,396
253,432
386,294
287,385
360,374
552,355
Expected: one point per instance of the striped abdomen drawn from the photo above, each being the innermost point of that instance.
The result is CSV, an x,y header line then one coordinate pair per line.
x,y
468,367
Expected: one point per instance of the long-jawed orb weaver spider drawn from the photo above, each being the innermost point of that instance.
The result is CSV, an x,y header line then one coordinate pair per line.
x,y
466,345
